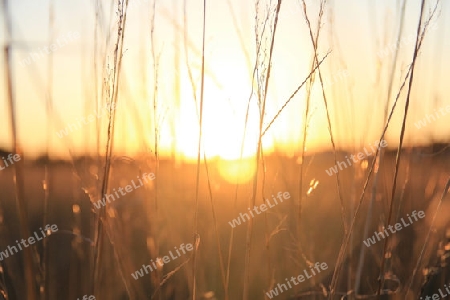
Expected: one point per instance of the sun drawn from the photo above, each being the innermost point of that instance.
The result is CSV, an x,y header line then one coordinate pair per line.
x,y
237,171
226,136
230,128
225,132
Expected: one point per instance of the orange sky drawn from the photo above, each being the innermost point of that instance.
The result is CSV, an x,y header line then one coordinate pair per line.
x,y
356,77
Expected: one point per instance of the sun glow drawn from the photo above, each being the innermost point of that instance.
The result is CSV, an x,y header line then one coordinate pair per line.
x,y
237,171
230,127
224,134
228,131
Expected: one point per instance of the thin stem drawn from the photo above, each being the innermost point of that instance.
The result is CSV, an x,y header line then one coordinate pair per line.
x,y
202,90
399,150
29,268
258,153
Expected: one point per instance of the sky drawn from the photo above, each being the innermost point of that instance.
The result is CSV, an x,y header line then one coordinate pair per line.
x,y
356,76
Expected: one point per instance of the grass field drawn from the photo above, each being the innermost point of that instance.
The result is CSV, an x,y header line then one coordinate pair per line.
x,y
135,227
205,149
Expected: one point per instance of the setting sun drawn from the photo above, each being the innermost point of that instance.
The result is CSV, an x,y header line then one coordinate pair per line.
x,y
218,149
225,132
236,171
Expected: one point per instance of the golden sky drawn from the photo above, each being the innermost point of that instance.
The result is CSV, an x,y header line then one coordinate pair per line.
x,y
356,75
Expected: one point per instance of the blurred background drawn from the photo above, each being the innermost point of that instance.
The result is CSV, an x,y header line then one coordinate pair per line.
x,y
96,93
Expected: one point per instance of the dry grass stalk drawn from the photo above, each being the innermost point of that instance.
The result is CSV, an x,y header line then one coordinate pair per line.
x,y
29,267
202,89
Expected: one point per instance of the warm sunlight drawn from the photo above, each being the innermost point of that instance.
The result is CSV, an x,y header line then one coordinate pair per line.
x,y
254,150
237,171
224,116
